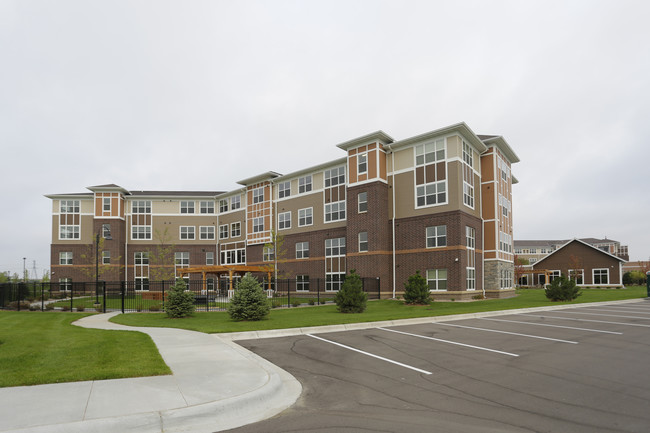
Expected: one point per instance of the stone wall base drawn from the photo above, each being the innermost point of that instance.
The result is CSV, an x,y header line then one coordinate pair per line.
x,y
500,294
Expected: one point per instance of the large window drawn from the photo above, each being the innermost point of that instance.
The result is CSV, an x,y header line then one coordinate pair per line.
x,y
69,227
362,199
181,260
335,211
187,232
187,206
69,232
223,205
268,254
284,189
436,236
431,193
258,225
140,232
141,270
235,202
470,243
334,263
437,279
302,250
505,242
69,206
206,233
233,254
601,276
141,207
304,184
430,152
335,176
305,217
65,258
207,207
577,275
223,231
284,220
235,229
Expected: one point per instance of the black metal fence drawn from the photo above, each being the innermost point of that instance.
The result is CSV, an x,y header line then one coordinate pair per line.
x,y
209,295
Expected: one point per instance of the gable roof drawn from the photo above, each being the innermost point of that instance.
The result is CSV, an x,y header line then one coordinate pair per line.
x,y
583,243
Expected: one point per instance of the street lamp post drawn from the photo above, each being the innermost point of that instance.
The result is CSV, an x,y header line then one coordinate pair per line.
x,y
97,268
24,270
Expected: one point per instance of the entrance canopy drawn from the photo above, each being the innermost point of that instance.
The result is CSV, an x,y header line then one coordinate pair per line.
x,y
230,270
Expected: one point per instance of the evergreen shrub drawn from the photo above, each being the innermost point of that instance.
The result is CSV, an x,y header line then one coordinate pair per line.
x,y
179,302
562,289
249,301
351,298
416,290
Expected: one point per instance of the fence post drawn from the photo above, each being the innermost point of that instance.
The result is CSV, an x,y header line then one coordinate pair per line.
x,y
288,294
42,296
71,295
163,294
104,295
123,290
318,291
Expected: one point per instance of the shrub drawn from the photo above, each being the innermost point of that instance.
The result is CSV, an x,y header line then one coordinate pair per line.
x,y
65,308
81,307
295,303
34,307
351,298
179,302
479,296
154,308
249,301
49,307
311,302
416,290
24,305
562,289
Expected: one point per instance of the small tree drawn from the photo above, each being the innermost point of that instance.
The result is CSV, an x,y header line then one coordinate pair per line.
x,y
249,301
351,298
161,257
416,290
562,289
179,302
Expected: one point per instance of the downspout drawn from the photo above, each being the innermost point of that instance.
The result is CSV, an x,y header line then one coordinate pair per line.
x,y
126,244
392,158
482,235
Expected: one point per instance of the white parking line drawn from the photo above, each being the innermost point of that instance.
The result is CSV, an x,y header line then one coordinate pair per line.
x,y
619,311
553,326
450,342
601,314
586,320
370,354
506,332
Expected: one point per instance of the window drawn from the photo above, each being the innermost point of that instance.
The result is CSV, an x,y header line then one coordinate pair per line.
x,y
258,225
601,276
335,211
235,229
431,193
140,232
362,163
437,279
468,194
305,217
302,283
430,152
577,275
468,155
235,202
334,263
284,189
65,284
69,232
436,236
505,279
258,195
207,207
141,269
268,254
187,207
302,250
69,227
181,260
223,205
141,207
471,279
223,231
69,206
363,242
106,231
284,220
505,205
65,258
470,273
532,260
206,233
106,257
231,255
107,204
335,176
505,243
304,184
209,258
363,202
554,274
187,232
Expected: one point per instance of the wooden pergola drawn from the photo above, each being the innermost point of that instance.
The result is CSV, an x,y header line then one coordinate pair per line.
x,y
547,274
230,270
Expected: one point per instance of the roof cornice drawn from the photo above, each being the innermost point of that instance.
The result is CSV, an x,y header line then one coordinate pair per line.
x,y
269,175
458,128
503,146
377,136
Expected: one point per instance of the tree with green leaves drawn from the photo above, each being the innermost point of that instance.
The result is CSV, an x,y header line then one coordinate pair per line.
x,y
276,247
179,302
161,257
562,289
249,301
416,290
351,298
94,267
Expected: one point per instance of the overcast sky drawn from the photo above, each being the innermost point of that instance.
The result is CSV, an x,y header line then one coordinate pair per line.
x,y
196,95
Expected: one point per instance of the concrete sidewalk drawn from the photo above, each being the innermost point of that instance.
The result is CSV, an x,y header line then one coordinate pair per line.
x,y
216,385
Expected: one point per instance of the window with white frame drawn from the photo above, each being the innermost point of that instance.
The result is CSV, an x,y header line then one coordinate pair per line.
x,y
69,231
505,242
140,232
65,258
532,260
362,200
106,257
141,207
302,250
223,231
65,284
69,206
258,195
335,211
468,193
235,202
141,270
187,206
209,258
284,220
430,152
235,229
206,233
284,189
258,225
470,243
107,204
431,193
577,275
468,176
335,176
223,205
436,236
468,155
363,242
505,205
601,276
362,163
69,219
305,217
304,184
506,278
187,232
302,283
106,231
182,259
268,254
334,263
233,255
207,207
553,275
437,279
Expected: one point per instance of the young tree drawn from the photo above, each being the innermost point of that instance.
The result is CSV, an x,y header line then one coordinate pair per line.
x,y
249,301
94,267
562,289
161,257
276,245
520,267
416,290
351,298
179,302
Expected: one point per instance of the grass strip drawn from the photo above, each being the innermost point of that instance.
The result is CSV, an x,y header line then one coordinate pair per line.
x,y
217,322
43,347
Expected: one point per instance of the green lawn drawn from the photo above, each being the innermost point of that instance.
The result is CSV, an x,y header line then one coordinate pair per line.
x,y
215,322
43,347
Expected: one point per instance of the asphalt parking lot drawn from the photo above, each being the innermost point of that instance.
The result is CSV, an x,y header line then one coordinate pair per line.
x,y
573,370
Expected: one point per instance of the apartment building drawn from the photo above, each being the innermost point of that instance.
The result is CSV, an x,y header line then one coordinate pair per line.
x,y
439,203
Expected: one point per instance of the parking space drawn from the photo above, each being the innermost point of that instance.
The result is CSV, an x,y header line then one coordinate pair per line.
x,y
579,369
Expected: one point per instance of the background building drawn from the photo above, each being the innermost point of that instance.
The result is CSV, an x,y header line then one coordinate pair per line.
x,y
535,250
439,203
